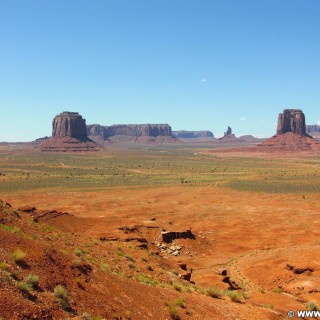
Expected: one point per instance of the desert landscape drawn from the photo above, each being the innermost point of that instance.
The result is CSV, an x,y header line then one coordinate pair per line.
x,y
164,230
159,160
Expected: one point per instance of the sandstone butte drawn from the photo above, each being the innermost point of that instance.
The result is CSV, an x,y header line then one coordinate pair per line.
x,y
291,134
69,134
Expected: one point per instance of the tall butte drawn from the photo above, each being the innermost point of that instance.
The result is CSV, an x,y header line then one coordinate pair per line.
x,y
291,134
69,134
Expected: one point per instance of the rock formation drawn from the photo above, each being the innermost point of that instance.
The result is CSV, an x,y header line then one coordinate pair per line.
x,y
315,128
291,120
96,130
138,133
183,134
291,134
69,124
137,130
228,132
69,134
228,135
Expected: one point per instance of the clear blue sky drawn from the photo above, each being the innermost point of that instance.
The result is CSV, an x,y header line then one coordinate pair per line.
x,y
195,64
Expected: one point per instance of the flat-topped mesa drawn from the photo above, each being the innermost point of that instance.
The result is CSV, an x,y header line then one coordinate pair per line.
x,y
69,124
137,130
312,128
291,120
183,134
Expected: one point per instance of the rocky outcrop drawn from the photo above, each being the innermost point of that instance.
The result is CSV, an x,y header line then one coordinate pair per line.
x,y
69,124
96,130
291,134
137,130
69,134
228,132
132,133
291,120
183,134
228,135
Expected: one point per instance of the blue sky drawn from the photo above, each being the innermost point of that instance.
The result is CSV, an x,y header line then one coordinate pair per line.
x,y
197,65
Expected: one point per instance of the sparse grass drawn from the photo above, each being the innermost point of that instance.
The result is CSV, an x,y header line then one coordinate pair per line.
x,y
312,306
61,294
24,287
173,311
120,253
146,280
277,290
214,292
78,252
177,286
130,258
104,266
267,306
175,272
180,302
32,280
3,266
18,256
234,296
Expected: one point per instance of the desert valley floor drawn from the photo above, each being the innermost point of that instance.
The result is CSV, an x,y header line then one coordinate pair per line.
x,y
254,221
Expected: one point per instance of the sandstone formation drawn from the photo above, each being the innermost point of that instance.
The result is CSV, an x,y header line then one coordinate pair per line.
x,y
183,134
69,124
96,130
138,130
228,135
291,134
128,133
69,134
312,129
291,120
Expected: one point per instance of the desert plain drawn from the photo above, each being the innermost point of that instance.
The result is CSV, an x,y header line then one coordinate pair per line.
x,y
93,222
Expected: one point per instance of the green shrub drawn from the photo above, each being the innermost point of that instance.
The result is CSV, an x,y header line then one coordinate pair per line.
x,y
24,287
32,280
62,294
180,302
3,266
104,266
173,312
177,287
277,290
146,280
78,252
214,292
312,306
18,256
234,296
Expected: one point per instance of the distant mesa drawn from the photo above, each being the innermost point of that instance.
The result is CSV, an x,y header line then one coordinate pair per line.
x,y
183,134
291,134
313,130
138,133
69,134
